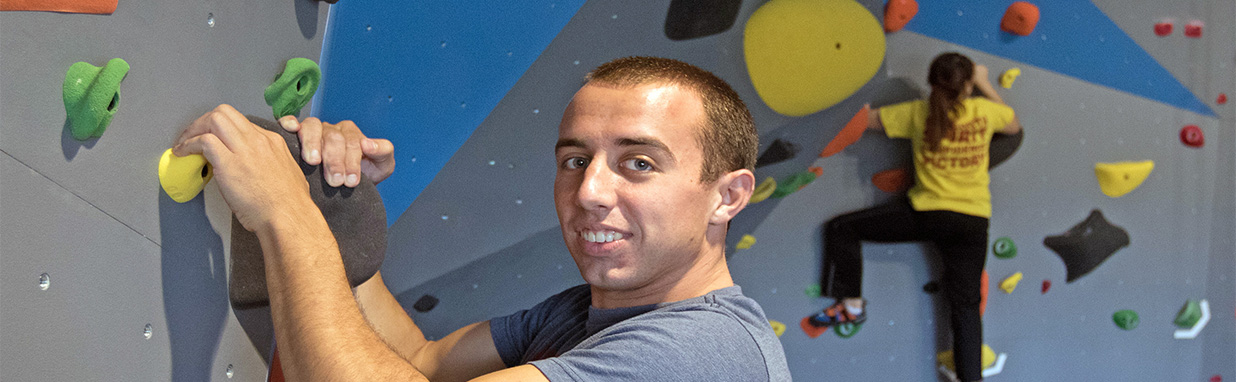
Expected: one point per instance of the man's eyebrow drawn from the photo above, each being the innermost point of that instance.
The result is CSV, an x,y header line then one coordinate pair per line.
x,y
569,142
650,142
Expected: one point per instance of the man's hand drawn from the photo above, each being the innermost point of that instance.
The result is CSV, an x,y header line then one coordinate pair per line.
x,y
258,177
342,150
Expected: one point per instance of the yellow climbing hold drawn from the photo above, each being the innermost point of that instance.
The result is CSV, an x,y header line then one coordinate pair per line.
x,y
988,358
1010,283
778,327
764,190
1006,79
1117,179
184,177
746,242
804,56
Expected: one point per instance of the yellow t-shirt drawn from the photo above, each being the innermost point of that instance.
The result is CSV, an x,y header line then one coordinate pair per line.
x,y
954,177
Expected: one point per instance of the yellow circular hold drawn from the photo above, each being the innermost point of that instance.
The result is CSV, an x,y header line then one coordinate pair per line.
x,y
1006,79
988,358
804,56
764,190
184,177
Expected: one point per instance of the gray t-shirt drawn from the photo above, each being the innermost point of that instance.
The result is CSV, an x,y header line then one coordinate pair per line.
x,y
720,336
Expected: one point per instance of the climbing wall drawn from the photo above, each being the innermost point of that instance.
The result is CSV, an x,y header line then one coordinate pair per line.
x,y
102,275
473,111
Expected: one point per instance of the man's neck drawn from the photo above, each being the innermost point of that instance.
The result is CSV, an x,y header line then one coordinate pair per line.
x,y
703,277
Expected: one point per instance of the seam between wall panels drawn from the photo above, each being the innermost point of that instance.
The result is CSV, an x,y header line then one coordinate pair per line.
x,y
92,205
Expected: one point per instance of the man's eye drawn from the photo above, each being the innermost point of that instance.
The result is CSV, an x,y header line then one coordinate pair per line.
x,y
575,163
637,164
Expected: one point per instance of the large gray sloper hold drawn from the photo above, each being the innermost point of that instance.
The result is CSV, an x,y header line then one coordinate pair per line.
x,y
356,217
1087,245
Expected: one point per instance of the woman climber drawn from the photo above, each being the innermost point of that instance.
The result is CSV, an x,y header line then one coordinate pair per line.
x,y
949,204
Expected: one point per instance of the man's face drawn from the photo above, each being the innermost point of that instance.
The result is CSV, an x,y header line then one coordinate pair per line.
x,y
632,210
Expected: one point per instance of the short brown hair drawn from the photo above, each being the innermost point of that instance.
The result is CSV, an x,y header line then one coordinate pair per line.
x,y
728,137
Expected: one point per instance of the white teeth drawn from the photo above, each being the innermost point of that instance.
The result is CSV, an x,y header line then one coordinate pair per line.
x,y
601,236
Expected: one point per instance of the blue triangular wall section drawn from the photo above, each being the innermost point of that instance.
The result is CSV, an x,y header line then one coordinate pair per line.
x,y
1073,37
452,66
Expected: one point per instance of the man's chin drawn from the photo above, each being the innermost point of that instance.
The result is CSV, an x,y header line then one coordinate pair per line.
x,y
612,281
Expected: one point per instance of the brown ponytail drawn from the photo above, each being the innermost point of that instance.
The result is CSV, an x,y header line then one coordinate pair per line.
x,y
948,77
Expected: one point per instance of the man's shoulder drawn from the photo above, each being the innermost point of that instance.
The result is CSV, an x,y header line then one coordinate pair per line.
x,y
719,328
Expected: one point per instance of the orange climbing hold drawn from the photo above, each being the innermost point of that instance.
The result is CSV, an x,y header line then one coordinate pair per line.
x,y
811,330
897,13
849,134
1020,18
983,294
98,7
893,181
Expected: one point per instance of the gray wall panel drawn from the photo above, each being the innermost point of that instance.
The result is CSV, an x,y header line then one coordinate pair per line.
x,y
92,214
180,68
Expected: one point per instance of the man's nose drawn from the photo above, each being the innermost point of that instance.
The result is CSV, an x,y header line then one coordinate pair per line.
x,y
597,189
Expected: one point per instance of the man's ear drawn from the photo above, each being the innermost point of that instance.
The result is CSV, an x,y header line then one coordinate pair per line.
x,y
735,189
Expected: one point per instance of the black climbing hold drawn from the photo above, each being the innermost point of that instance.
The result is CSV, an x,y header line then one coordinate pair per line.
x,y
1087,244
778,151
688,19
1003,146
425,303
931,287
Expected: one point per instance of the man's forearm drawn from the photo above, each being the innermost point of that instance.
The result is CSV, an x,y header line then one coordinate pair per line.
x,y
388,318
320,330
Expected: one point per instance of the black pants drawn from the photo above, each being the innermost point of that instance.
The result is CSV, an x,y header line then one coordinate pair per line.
x,y
962,242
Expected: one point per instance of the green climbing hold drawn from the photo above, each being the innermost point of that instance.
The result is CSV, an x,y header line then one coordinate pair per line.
x,y
813,291
1004,248
795,182
1126,319
92,96
293,89
1189,314
847,330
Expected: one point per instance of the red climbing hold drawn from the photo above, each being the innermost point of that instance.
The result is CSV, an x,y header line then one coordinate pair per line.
x,y
1020,18
818,171
1163,29
849,134
1216,378
897,13
1222,98
1046,286
1193,29
894,181
1192,136
811,330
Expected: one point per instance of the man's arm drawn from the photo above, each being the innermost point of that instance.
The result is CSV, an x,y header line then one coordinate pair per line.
x,y
468,352
318,324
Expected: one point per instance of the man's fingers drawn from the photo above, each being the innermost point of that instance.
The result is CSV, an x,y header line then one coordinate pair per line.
x,y
381,159
334,153
352,138
311,141
219,122
208,145
289,123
